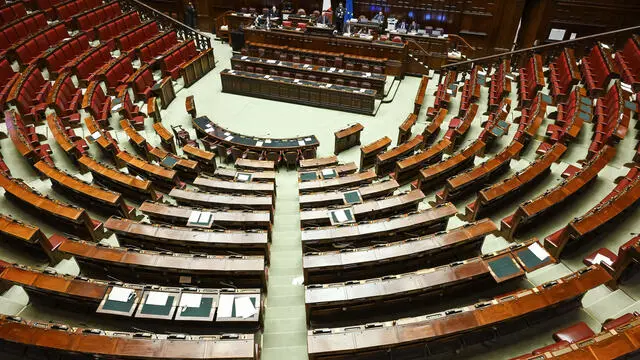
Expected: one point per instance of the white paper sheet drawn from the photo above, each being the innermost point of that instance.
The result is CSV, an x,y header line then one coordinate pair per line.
x,y
243,58
195,215
538,251
243,177
271,61
599,259
157,298
341,216
363,90
557,34
190,300
209,130
301,143
307,139
205,217
449,91
327,172
116,108
120,294
259,143
244,307
96,135
228,138
573,36
225,305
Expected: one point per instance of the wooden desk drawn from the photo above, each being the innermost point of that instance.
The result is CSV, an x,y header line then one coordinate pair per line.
x,y
256,165
163,89
328,172
373,209
371,191
161,267
69,341
162,178
394,53
404,130
129,185
72,148
347,138
337,182
232,174
166,137
357,301
237,187
62,216
206,159
198,66
231,201
434,175
207,129
369,152
408,336
103,138
181,238
402,256
138,141
595,221
103,199
431,131
305,92
493,196
325,74
530,211
153,111
20,233
408,168
306,164
479,176
613,343
394,228
417,103
190,105
180,215
385,162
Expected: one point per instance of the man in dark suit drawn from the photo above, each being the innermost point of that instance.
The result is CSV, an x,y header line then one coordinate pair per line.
x,y
414,26
340,12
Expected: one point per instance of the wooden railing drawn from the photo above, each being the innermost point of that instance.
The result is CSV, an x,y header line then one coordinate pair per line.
x,y
166,22
549,51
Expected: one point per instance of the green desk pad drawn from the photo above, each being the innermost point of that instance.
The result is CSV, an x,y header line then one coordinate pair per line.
x,y
504,268
352,197
203,311
120,306
158,309
530,260
348,213
308,176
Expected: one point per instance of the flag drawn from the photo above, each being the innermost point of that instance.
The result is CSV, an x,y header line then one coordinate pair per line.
x,y
349,10
326,5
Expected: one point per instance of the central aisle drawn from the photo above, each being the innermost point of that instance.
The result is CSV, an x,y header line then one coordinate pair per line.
x,y
285,330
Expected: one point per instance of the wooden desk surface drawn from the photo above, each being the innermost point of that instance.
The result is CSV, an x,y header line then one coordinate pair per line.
x,y
176,234
318,162
22,145
19,230
162,131
26,194
135,136
213,184
423,157
146,167
160,261
181,214
262,202
367,209
58,133
335,197
376,145
227,173
103,139
361,231
337,182
255,164
126,345
407,331
115,175
398,151
445,166
199,154
397,251
353,129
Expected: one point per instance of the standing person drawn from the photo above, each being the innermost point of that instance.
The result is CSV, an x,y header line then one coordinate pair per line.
x,y
273,13
340,12
190,15
402,25
379,17
414,26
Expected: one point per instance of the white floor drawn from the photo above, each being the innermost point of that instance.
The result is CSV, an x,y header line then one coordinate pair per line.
x,y
285,329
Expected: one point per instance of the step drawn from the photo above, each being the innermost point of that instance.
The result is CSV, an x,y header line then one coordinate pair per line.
x,y
548,273
609,305
594,295
629,309
68,267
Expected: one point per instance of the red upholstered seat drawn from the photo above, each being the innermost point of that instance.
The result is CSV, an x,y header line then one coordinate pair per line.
x,y
575,333
617,322
549,348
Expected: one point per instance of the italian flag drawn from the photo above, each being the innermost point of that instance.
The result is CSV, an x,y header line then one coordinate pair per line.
x,y
326,5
